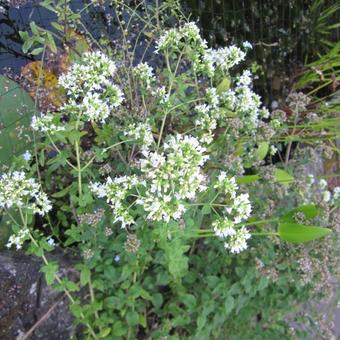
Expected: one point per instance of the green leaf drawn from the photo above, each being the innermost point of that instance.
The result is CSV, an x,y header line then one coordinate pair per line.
x,y
17,109
247,179
49,270
70,285
85,276
57,26
76,309
189,300
142,320
132,318
37,51
119,329
206,210
5,229
63,192
105,332
157,300
229,304
34,28
27,45
149,34
283,176
309,210
23,35
298,233
51,42
145,295
176,261
262,150
223,86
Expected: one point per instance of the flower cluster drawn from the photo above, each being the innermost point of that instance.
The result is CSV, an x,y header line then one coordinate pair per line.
x,y
18,191
91,92
225,58
238,242
44,123
18,239
144,73
116,191
168,178
94,70
178,38
237,210
161,95
239,101
141,133
172,176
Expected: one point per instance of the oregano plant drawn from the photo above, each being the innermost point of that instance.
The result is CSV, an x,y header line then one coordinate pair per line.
x,y
143,171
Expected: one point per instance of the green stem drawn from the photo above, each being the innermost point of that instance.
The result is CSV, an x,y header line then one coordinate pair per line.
x,y
58,150
271,220
173,76
79,170
104,150
265,233
92,297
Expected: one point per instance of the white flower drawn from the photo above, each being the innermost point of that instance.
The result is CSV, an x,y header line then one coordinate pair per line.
x,y
161,94
242,206
27,156
323,183
212,97
95,69
178,170
44,123
273,150
227,184
51,242
336,193
144,73
238,242
245,79
326,196
247,45
98,189
227,57
223,227
18,239
116,191
94,108
141,132
18,191
178,38
237,210
168,39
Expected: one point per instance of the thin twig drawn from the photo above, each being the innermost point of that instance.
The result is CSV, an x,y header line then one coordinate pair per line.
x,y
42,319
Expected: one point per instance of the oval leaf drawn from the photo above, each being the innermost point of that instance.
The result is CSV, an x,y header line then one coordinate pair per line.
x,y
283,176
262,150
223,86
247,179
298,233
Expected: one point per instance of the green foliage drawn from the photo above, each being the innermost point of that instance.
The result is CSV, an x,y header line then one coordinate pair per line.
x,y
143,275
17,109
298,233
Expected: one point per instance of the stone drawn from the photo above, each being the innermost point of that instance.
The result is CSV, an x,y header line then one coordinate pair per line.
x,y
25,298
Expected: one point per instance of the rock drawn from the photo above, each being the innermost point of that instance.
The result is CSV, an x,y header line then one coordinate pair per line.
x,y
25,298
